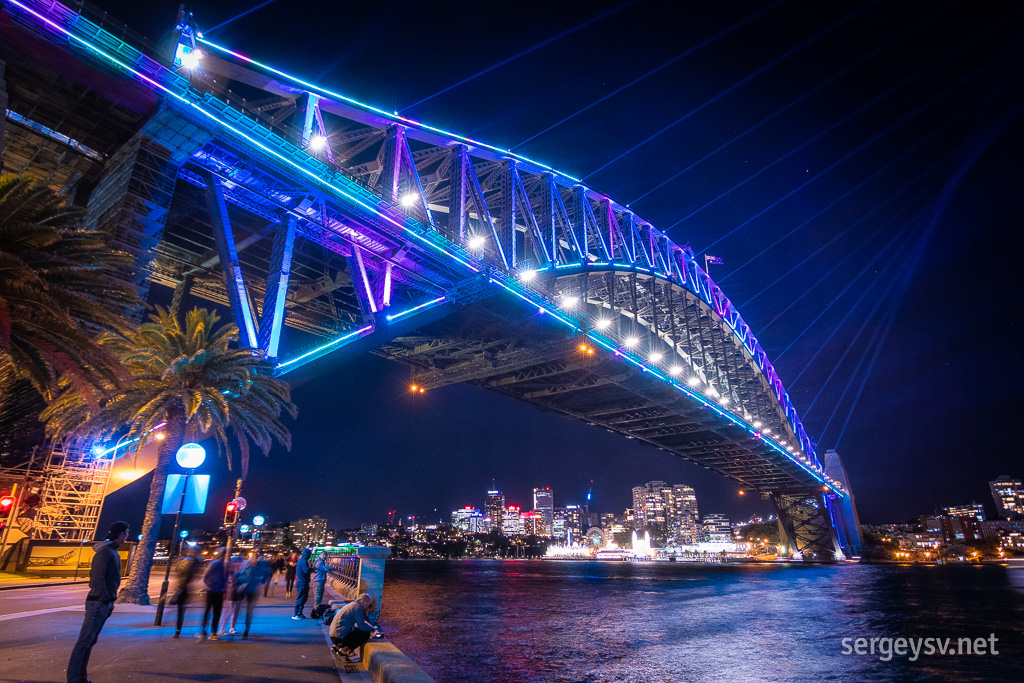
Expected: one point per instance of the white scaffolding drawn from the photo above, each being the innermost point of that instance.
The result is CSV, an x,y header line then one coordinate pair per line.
x,y
74,485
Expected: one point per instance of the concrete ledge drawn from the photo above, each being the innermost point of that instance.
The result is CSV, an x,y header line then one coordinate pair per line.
x,y
387,664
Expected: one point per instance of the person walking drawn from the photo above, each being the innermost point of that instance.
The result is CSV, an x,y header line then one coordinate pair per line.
x,y
104,580
303,571
216,581
186,570
248,582
276,568
289,575
320,578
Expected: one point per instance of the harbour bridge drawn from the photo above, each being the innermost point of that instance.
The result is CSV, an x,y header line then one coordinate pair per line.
x,y
330,227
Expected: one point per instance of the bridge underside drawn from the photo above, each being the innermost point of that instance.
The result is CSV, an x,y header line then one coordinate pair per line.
x,y
314,249
502,346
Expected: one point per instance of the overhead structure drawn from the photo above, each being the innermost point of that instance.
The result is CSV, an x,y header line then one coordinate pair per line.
x,y
331,227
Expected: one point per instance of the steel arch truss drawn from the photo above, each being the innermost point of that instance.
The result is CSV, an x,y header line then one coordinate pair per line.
x,y
301,207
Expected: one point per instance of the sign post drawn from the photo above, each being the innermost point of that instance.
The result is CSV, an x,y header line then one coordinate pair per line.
x,y
189,456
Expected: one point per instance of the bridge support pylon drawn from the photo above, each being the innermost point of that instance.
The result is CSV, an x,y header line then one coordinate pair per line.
x,y
805,527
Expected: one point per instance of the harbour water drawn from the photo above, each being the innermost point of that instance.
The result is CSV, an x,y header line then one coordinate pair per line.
x,y
534,620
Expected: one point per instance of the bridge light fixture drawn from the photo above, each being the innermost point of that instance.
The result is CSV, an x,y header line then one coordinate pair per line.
x,y
656,357
757,424
527,275
766,430
602,323
413,388
630,342
190,60
570,301
693,381
724,400
409,199
317,143
476,242
676,370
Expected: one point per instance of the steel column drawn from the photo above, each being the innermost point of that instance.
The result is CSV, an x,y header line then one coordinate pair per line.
x,y
272,318
238,295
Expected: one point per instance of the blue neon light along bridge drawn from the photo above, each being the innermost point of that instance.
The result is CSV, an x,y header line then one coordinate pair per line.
x,y
331,227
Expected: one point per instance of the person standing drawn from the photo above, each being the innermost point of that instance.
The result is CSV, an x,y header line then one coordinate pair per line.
x,y
303,571
104,580
185,571
320,578
289,575
216,581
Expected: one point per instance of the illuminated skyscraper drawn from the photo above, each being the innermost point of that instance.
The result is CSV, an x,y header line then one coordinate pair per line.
x,y
543,502
717,528
461,519
309,532
511,522
684,520
1008,493
495,509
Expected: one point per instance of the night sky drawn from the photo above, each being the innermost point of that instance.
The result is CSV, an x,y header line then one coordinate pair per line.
x,y
856,165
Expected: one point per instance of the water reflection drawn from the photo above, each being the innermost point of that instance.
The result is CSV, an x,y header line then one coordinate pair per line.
x,y
480,620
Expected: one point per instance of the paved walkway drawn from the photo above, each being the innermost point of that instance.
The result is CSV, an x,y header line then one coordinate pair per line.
x,y
38,628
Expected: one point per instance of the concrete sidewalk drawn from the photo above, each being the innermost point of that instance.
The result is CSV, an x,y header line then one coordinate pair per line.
x,y
35,646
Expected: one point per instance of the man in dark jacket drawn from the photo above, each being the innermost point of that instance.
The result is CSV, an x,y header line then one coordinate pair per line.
x,y
302,574
216,581
319,577
104,580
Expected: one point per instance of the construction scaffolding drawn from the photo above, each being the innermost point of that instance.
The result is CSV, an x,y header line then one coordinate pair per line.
x,y
73,487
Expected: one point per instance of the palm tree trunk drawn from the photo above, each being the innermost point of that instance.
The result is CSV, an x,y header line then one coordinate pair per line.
x,y
136,590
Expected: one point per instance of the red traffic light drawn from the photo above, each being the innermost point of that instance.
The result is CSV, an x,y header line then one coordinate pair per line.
x,y
231,507
6,502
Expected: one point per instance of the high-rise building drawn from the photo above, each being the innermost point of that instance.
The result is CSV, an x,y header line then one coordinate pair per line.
x,y
511,521
558,526
684,519
607,519
543,502
495,509
534,523
975,510
309,532
1008,493
461,518
651,502
574,516
717,528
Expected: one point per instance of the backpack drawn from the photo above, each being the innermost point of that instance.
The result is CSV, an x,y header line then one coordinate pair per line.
x,y
318,611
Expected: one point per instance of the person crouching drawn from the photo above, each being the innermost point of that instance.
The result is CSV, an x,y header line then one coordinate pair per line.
x,y
350,629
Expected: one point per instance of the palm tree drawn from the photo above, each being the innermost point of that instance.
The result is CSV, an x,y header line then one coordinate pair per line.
x,y
60,285
190,378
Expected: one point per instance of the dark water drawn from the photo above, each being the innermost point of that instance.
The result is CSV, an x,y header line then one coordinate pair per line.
x,y
497,621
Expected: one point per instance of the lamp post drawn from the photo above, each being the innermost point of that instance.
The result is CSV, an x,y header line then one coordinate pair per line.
x,y
189,457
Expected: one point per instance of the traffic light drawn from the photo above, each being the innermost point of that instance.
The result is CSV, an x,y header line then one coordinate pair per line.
x,y
231,514
6,505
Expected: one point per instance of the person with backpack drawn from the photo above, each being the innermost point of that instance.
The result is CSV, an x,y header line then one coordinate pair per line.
x,y
303,572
